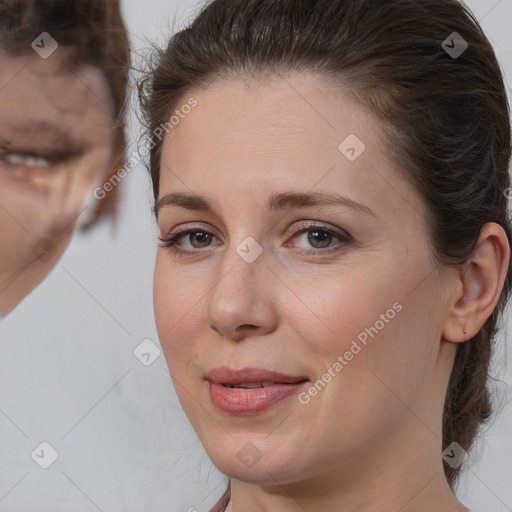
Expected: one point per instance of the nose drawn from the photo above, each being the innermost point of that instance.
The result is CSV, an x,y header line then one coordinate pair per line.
x,y
242,302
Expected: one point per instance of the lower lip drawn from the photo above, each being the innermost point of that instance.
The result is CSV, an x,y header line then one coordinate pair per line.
x,y
250,401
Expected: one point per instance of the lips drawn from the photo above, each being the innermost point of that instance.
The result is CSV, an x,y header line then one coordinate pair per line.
x,y
250,390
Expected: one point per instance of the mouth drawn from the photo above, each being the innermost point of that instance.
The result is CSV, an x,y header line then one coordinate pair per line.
x,y
250,390
249,385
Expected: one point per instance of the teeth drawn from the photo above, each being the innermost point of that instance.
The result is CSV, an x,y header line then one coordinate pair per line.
x,y
28,160
249,385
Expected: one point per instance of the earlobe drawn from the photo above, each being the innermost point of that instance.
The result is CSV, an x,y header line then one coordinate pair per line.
x,y
481,282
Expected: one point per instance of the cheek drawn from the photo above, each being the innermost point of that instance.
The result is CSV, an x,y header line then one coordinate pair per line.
x,y
330,311
376,319
72,186
43,227
95,165
177,305
378,355
76,179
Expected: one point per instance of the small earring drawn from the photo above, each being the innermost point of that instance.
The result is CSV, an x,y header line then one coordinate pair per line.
x,y
465,332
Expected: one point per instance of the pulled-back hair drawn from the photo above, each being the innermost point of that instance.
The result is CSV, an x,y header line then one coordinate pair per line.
x,y
445,118
95,33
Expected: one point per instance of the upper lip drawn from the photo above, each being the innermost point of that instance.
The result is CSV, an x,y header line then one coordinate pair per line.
x,y
225,375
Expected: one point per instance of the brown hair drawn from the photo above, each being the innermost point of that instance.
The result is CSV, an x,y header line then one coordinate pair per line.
x,y
445,118
95,32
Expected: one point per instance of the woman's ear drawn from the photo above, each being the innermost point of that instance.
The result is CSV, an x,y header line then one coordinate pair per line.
x,y
481,282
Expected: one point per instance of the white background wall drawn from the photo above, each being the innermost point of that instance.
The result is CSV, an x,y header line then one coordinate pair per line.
x,y
68,375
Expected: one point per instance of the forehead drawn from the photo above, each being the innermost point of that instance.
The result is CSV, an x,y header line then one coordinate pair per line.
x,y
244,141
48,92
275,105
278,128
240,116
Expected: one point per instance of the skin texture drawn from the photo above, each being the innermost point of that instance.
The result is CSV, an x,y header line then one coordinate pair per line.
x,y
64,118
371,439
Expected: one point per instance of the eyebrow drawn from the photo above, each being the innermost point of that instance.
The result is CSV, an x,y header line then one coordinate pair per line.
x,y
276,202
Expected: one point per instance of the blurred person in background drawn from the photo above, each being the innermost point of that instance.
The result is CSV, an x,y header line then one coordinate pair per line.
x,y
63,85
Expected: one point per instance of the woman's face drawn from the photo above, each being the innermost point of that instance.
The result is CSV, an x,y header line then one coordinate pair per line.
x,y
55,146
302,323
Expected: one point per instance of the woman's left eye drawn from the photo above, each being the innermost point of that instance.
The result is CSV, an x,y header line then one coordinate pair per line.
x,y
320,239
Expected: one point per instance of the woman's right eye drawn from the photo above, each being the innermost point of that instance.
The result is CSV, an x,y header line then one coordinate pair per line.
x,y
201,236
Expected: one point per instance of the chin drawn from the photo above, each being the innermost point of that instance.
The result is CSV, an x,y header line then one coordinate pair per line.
x,y
246,458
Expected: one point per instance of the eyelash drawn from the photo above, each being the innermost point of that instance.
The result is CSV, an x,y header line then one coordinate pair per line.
x,y
170,241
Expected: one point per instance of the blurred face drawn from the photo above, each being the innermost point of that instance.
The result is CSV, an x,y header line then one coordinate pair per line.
x,y
295,294
55,146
